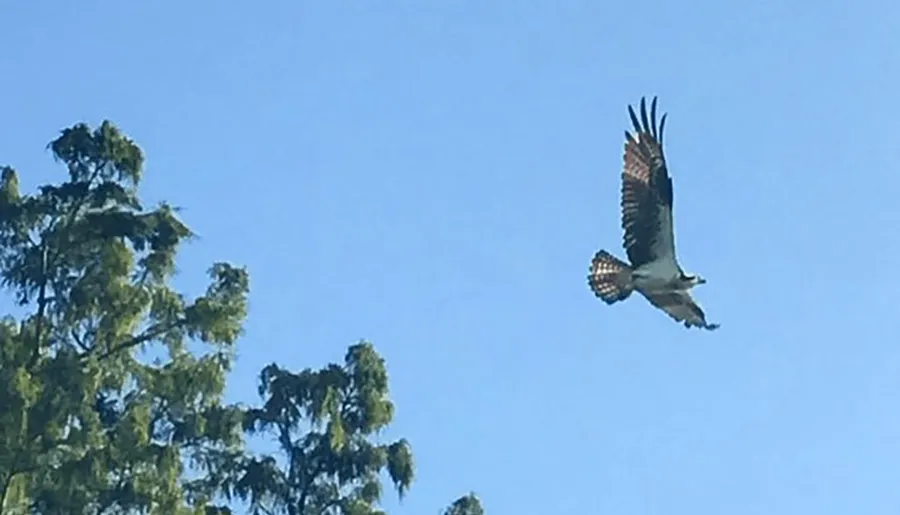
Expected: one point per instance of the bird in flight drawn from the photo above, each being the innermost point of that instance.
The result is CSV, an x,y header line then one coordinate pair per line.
x,y
649,238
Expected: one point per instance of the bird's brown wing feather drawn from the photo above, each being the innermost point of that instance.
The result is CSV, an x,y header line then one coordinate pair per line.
x,y
646,190
681,307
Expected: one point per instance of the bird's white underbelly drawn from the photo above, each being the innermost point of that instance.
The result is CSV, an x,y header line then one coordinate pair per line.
x,y
657,275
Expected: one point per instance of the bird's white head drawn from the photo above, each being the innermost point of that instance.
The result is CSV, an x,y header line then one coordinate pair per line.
x,y
693,280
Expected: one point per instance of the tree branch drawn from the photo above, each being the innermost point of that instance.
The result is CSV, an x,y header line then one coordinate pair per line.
x,y
148,335
42,306
4,490
79,341
309,480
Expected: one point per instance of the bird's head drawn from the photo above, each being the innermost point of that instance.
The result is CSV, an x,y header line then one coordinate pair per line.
x,y
694,280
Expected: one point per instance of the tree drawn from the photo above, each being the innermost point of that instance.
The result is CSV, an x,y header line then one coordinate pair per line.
x,y
324,422
85,425
90,424
465,505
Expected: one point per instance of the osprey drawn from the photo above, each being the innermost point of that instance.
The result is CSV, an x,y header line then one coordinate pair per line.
x,y
649,238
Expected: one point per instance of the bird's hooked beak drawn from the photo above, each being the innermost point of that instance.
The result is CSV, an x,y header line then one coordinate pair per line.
x,y
700,280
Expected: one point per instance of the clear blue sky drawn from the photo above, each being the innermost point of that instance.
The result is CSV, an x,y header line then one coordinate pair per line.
x,y
435,176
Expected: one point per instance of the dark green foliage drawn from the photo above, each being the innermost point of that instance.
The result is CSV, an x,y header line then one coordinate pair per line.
x,y
324,422
465,505
88,426
85,426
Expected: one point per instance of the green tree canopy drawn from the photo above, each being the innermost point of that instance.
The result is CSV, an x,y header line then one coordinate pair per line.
x,y
324,422
86,426
89,424
466,505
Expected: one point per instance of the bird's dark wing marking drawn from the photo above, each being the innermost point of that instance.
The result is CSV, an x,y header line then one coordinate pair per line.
x,y
681,307
646,190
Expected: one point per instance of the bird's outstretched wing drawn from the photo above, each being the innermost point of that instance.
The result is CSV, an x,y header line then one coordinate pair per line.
x,y
682,308
646,191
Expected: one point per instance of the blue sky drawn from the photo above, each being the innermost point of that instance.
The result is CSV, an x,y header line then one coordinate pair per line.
x,y
435,177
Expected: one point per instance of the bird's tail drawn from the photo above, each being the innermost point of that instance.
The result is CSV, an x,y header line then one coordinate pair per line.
x,y
610,278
